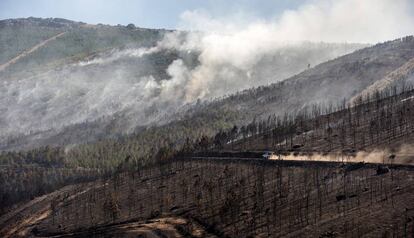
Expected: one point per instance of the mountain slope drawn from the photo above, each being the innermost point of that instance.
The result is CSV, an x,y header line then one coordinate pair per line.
x,y
328,83
253,197
325,84
30,51
242,198
80,40
114,80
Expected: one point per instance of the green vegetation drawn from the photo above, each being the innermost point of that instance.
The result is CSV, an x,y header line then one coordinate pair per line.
x,y
79,41
14,39
85,162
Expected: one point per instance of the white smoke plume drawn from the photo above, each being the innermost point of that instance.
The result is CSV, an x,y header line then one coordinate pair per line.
x,y
231,48
367,21
232,53
116,55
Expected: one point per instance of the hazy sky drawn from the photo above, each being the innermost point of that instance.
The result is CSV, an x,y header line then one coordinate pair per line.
x,y
144,13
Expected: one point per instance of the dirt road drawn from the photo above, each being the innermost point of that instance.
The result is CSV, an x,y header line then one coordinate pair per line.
x,y
27,52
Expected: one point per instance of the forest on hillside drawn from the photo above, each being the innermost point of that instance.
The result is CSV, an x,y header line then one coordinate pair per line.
x,y
302,108
382,117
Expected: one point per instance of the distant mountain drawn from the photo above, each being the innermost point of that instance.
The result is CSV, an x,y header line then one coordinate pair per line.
x,y
59,76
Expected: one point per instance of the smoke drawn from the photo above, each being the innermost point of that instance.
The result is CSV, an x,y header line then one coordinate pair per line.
x,y
368,21
129,83
235,53
219,56
116,55
400,78
232,62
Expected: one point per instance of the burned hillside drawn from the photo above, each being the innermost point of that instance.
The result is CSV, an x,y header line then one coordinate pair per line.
x,y
242,198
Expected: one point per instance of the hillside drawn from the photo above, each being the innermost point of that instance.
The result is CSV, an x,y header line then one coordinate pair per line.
x,y
78,41
83,108
243,198
83,103
332,83
113,80
321,188
379,120
329,83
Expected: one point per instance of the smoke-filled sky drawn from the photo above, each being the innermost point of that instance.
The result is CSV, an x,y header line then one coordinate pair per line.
x,y
336,20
